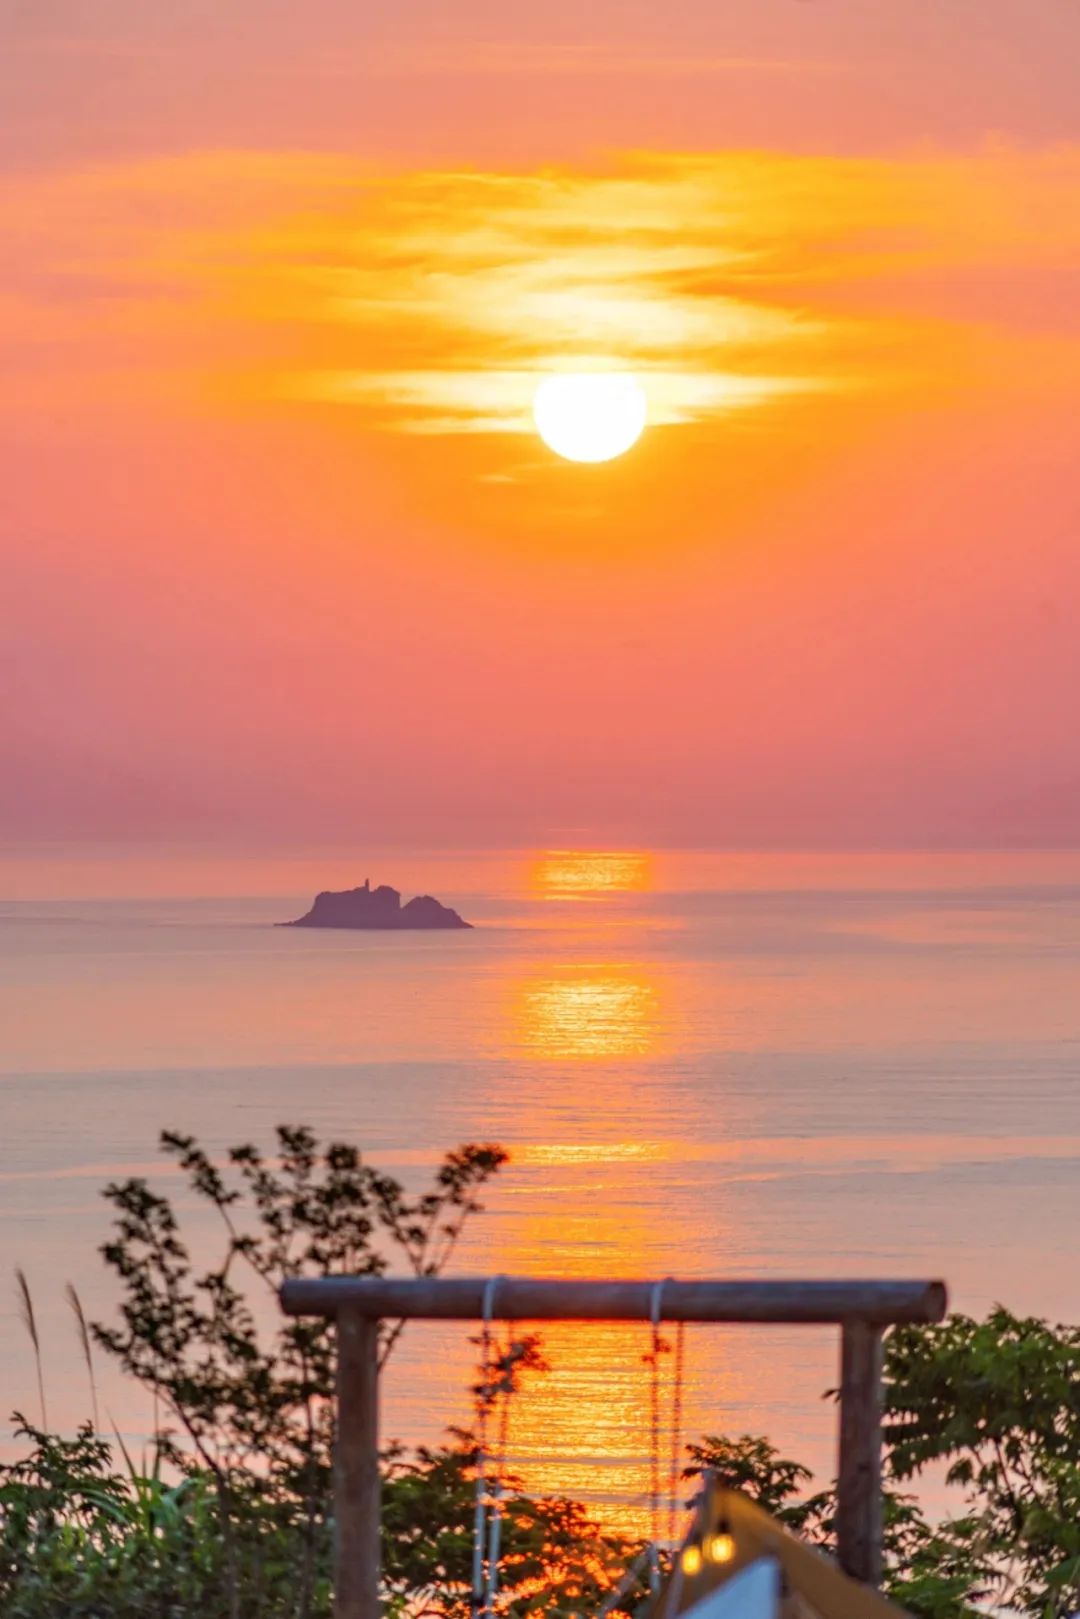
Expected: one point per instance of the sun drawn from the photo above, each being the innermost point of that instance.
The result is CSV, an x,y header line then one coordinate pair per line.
x,y
590,416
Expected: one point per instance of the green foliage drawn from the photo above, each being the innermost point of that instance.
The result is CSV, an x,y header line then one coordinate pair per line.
x,y
935,1572
996,1405
251,1408
756,1468
245,1531
233,1518
998,1402
78,1538
554,1559
191,1335
927,1570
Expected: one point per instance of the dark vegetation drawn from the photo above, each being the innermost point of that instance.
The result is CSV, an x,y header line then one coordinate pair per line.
x,y
230,1516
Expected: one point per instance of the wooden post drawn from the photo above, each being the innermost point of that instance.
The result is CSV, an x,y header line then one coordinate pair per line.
x,y
858,1494
356,1468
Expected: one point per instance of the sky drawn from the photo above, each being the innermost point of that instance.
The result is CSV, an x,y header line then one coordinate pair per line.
x,y
284,560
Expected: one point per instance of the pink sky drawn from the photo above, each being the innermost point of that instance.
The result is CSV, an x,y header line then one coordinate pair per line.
x,y
280,561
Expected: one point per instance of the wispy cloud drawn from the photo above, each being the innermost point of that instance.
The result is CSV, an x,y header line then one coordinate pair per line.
x,y
432,301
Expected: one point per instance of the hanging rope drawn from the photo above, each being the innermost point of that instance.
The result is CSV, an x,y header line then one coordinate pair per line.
x,y
675,1584
656,1302
625,1585
676,1430
480,1515
648,1561
491,1589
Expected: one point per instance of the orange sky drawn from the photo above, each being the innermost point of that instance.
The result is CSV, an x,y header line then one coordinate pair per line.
x,y
284,558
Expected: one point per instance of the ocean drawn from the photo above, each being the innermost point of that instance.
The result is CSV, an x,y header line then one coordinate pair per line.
x,y
702,1064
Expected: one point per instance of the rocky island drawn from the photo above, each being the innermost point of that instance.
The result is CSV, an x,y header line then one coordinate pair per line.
x,y
380,907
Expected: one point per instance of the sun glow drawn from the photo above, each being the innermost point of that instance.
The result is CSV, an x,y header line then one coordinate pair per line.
x,y
585,873
590,416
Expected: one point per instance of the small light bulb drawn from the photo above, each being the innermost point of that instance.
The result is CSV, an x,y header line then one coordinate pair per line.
x,y
691,1560
720,1548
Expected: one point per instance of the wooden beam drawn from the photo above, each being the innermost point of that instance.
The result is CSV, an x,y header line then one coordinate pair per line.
x,y
356,1468
858,1490
524,1298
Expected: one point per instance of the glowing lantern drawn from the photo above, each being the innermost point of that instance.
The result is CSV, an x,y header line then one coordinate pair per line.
x,y
691,1560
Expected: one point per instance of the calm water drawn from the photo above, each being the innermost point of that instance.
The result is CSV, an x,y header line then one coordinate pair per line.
x,y
703,1065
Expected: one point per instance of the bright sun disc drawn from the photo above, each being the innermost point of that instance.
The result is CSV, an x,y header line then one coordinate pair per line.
x,y
589,416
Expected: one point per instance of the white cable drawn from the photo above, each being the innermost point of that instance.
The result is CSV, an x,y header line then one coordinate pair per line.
x,y
656,1302
677,1392
675,1585
479,1517
625,1584
495,1531
495,1516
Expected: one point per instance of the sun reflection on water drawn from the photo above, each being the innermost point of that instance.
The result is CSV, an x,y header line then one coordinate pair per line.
x,y
602,1152
584,1428
589,1012
595,1136
584,873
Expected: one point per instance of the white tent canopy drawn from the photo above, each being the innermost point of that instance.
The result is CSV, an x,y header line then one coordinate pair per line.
x,y
753,1593
739,1563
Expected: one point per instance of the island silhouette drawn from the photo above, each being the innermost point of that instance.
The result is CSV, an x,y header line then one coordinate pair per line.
x,y
380,907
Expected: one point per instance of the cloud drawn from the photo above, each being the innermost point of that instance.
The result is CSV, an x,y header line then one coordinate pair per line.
x,y
431,301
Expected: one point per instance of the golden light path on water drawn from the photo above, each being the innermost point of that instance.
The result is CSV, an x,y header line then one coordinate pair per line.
x,y
767,1066
588,1431
585,1428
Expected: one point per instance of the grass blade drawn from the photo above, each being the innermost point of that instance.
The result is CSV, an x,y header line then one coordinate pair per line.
x,y
26,1311
84,1341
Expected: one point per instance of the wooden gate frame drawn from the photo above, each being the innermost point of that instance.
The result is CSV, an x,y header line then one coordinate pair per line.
x,y
357,1305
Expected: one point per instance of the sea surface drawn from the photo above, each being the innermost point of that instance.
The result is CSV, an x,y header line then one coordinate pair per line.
x,y
702,1064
